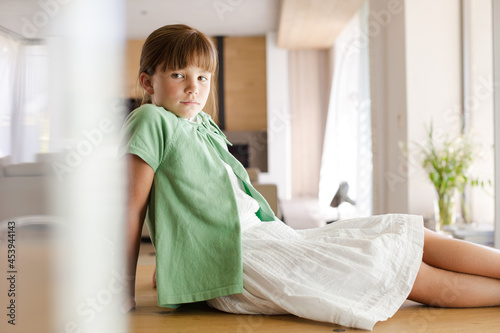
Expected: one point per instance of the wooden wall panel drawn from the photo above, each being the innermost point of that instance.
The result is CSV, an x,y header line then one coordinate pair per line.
x,y
245,83
132,58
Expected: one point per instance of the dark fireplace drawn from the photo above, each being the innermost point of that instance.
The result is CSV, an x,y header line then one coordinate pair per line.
x,y
240,151
249,147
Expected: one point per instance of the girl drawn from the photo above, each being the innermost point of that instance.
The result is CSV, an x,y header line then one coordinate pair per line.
x,y
216,238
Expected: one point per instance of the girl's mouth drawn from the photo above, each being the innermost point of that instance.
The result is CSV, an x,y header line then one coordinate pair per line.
x,y
190,102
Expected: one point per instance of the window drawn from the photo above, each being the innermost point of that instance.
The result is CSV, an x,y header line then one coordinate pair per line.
x,y
347,153
24,124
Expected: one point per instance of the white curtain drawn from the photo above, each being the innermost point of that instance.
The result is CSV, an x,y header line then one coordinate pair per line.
x,y
9,50
309,94
24,125
347,150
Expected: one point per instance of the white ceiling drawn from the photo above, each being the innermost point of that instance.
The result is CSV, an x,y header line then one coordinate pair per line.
x,y
214,17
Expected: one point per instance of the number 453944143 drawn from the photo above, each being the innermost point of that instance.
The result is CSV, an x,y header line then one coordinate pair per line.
x,y
11,245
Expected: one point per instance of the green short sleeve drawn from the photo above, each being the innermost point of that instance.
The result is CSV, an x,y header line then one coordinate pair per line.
x,y
145,134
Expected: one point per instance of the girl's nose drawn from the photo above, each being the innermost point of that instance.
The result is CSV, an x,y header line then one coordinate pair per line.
x,y
192,88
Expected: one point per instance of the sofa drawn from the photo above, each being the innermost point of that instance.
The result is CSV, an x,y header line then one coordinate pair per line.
x,y
24,188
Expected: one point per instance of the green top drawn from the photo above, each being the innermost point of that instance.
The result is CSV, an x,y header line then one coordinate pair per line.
x,y
192,212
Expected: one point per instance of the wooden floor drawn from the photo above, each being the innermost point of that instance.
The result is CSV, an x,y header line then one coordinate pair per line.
x,y
36,310
412,317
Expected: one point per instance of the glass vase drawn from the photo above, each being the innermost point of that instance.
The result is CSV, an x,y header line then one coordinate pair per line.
x,y
445,210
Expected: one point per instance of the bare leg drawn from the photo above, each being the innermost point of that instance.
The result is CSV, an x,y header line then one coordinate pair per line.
x,y
438,287
460,256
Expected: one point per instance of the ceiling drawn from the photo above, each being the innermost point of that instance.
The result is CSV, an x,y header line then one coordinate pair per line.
x,y
314,24
302,24
214,17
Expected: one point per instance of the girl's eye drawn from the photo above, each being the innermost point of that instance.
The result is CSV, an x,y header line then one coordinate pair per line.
x,y
176,75
203,78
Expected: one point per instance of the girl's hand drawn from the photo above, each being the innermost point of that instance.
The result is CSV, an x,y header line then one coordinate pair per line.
x,y
129,305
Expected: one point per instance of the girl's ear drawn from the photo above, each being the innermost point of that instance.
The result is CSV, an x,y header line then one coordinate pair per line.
x,y
147,83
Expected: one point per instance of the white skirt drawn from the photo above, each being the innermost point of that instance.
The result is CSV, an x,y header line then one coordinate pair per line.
x,y
352,272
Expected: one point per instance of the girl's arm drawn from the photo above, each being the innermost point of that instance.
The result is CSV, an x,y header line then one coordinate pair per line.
x,y
140,181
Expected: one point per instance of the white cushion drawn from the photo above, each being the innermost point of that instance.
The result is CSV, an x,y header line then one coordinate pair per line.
x,y
28,170
5,160
50,157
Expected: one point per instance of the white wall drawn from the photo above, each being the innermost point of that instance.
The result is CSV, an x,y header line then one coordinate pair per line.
x,y
416,66
479,101
433,84
278,119
496,78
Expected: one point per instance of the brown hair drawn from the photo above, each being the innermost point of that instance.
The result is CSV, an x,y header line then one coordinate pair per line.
x,y
178,46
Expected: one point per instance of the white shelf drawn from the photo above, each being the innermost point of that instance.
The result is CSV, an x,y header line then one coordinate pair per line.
x,y
477,233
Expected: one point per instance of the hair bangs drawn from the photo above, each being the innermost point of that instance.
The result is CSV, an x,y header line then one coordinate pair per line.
x,y
192,50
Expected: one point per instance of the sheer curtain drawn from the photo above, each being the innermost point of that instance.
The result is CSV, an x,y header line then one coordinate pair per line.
x,y
9,50
30,119
24,125
347,150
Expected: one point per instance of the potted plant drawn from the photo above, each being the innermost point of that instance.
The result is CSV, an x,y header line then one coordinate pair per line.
x,y
448,168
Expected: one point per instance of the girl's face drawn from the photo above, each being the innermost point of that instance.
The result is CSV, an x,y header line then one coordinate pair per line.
x,y
183,92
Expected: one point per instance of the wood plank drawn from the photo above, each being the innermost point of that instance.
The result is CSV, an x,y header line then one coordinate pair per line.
x,y
31,282
412,317
245,83
313,24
